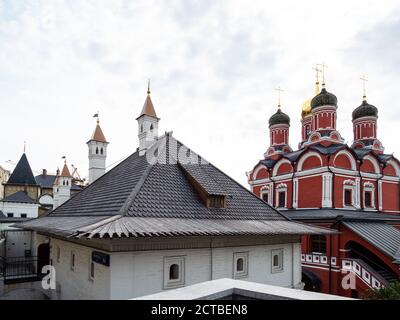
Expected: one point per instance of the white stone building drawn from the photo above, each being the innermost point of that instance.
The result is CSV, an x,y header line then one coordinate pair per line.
x,y
165,218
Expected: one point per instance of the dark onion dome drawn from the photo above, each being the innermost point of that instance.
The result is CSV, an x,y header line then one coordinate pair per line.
x,y
279,118
365,110
324,98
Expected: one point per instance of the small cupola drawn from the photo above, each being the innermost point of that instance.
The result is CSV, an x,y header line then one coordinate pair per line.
x,y
365,110
324,98
279,117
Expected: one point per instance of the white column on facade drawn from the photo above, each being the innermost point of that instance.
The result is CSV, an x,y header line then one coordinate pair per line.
x,y
327,190
357,193
380,205
295,193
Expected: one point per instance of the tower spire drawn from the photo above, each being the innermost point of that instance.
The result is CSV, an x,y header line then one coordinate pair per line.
x,y
148,87
364,80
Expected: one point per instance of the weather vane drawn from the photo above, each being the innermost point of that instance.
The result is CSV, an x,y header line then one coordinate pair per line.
x,y
279,89
364,80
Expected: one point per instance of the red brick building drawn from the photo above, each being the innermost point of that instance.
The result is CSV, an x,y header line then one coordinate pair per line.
x,y
353,189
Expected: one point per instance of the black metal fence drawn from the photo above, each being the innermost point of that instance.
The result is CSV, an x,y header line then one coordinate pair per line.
x,y
19,269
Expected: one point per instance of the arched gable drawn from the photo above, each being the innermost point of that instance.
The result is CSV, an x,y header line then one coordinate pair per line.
x,y
392,169
370,164
344,159
309,160
283,166
260,172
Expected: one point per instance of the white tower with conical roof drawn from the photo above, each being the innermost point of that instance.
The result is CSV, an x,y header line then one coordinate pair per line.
x,y
97,151
62,186
147,125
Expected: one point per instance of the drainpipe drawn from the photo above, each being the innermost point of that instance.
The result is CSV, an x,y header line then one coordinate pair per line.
x,y
333,182
338,220
211,260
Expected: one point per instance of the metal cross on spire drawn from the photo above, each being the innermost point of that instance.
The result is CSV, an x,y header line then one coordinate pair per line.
x,y
317,72
148,87
279,89
364,80
24,146
323,66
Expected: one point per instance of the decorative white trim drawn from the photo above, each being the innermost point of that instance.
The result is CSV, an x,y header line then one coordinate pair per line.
x,y
278,164
305,157
374,163
349,156
257,170
282,187
395,166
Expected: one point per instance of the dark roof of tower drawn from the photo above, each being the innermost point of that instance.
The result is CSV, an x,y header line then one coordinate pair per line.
x,y
140,199
365,110
22,174
279,118
19,196
46,181
324,98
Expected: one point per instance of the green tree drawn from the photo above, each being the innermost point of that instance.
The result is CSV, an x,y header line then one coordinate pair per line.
x,y
390,292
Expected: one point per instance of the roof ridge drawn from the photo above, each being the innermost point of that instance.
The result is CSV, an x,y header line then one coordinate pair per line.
x,y
123,211
237,183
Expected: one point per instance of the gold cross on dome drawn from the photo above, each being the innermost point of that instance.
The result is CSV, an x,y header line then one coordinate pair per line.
x,y
364,80
279,89
317,71
323,66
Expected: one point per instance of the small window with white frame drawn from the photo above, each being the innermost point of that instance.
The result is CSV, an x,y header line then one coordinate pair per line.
x,y
72,262
348,193
91,269
174,272
281,195
369,192
277,260
240,265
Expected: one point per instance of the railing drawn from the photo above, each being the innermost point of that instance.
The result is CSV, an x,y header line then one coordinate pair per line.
x,y
19,269
364,272
318,259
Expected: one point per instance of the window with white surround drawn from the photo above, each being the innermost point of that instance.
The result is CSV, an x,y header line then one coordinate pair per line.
x,y
369,195
265,194
174,272
349,187
281,195
240,265
277,260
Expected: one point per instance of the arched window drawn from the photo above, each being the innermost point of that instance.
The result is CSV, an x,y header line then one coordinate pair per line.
x,y
101,151
276,261
240,265
151,127
141,128
174,272
97,150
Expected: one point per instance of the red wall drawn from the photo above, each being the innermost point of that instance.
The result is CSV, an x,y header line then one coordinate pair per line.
x,y
310,192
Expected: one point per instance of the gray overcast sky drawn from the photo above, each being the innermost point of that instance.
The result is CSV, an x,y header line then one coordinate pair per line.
x,y
213,64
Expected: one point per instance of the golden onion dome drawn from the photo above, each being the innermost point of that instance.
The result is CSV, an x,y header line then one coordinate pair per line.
x,y
306,108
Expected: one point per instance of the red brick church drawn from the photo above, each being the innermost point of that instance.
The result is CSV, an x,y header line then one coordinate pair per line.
x,y
353,189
